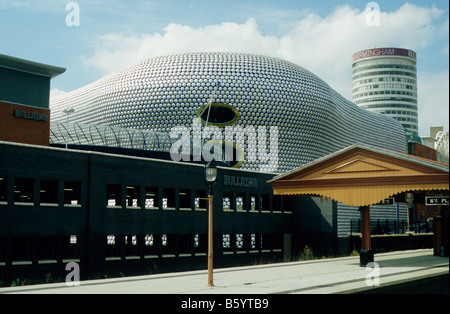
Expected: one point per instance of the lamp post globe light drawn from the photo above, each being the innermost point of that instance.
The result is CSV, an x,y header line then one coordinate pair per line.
x,y
211,174
210,177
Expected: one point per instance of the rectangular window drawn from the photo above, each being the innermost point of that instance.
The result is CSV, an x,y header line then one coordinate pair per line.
x,y
112,250
46,248
114,195
149,246
3,190
254,202
288,204
239,241
201,203
228,201
266,241
72,193
265,202
131,245
151,197
185,244
70,247
23,190
133,196
168,198
21,247
200,244
226,241
185,199
277,203
241,202
2,249
49,191
168,244
253,243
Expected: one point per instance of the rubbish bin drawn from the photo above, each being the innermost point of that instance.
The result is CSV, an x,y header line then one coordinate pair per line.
x,y
365,257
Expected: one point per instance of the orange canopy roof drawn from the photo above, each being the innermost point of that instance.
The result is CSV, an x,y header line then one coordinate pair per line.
x,y
363,175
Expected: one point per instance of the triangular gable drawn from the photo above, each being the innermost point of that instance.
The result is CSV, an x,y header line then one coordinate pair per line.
x,y
361,176
359,166
361,162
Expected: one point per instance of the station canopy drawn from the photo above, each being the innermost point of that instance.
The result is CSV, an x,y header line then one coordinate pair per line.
x,y
362,175
109,136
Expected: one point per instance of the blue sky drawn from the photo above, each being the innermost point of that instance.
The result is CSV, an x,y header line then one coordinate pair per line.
x,y
319,35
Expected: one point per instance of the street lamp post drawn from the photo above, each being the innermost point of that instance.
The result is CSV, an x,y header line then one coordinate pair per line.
x,y
210,177
68,111
409,198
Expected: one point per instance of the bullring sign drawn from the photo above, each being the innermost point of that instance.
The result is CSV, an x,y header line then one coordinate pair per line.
x,y
30,115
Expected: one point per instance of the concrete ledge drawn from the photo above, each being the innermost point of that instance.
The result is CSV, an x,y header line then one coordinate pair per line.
x,y
326,276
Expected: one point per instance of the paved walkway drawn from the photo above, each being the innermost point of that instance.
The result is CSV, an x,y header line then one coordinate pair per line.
x,y
337,275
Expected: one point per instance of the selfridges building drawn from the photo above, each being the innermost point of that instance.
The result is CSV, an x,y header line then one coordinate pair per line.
x,y
293,115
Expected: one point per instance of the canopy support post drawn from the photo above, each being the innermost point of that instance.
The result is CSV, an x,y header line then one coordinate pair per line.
x,y
366,253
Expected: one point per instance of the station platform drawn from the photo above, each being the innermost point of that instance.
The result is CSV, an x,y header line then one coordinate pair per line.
x,y
324,276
